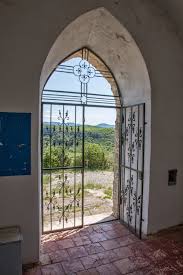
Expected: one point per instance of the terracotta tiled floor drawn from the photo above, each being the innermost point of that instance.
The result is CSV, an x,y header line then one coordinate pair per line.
x,y
110,249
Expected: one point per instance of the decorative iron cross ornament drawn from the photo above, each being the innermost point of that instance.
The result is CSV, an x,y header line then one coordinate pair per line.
x,y
84,71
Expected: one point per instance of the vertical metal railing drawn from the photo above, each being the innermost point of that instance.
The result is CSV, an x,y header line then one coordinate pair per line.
x,y
142,186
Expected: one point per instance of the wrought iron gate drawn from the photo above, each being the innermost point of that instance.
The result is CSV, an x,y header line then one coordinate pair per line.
x,y
132,167
62,202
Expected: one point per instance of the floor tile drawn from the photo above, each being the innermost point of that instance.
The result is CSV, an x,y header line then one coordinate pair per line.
x,y
108,256
97,228
108,269
49,247
84,231
53,269
94,248
83,240
97,237
91,271
121,228
91,261
67,243
116,233
59,255
45,259
107,226
110,244
127,240
72,267
77,252
125,266
112,234
124,252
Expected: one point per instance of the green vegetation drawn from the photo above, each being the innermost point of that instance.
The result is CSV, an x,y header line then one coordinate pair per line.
x,y
101,136
108,193
93,185
56,157
98,153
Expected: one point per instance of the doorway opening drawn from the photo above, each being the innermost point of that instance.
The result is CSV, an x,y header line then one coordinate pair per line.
x,y
92,148
81,126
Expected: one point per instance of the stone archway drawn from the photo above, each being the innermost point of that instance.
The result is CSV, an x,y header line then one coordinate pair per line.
x,y
102,33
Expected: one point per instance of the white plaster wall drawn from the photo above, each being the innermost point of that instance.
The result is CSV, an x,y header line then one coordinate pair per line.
x,y
28,30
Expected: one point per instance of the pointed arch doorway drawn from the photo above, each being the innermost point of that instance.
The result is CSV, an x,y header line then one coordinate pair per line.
x,y
92,169
81,118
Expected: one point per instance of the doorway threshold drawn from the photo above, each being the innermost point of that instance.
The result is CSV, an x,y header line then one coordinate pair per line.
x,y
99,218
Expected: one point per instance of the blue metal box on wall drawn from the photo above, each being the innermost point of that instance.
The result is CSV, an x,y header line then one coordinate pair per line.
x,y
15,144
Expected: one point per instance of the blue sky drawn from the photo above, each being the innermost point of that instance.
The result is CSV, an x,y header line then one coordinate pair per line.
x,y
70,82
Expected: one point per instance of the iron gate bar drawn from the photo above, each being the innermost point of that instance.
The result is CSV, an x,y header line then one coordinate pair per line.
x,y
70,104
60,71
133,169
84,53
137,168
63,156
74,95
142,186
41,142
61,168
50,162
63,65
88,105
90,99
124,142
75,166
70,92
120,161
130,167
83,163
71,98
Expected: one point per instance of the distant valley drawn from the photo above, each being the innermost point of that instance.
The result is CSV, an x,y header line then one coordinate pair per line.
x,y
100,125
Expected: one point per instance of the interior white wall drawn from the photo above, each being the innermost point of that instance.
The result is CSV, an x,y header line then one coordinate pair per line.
x,y
28,30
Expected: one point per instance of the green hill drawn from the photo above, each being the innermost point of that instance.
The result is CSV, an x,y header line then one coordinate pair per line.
x,y
99,145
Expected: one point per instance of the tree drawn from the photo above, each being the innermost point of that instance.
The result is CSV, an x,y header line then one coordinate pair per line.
x,y
95,157
56,157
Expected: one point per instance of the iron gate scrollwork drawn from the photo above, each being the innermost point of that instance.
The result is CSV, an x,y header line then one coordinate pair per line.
x,y
132,166
62,179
